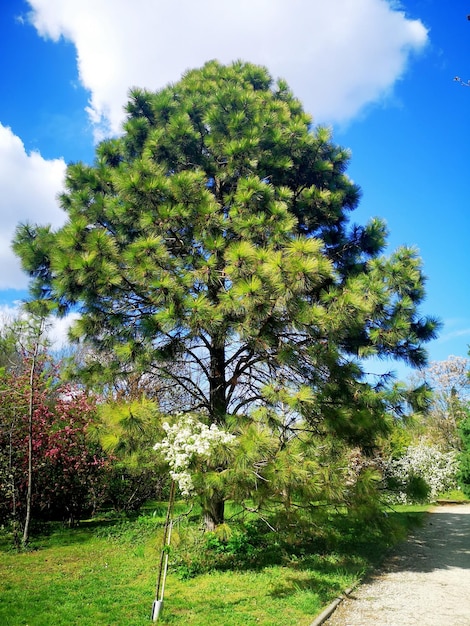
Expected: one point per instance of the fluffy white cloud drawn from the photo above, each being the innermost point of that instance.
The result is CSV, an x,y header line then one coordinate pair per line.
x,y
337,56
57,328
29,187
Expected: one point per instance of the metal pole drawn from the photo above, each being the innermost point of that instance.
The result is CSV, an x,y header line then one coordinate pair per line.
x,y
163,568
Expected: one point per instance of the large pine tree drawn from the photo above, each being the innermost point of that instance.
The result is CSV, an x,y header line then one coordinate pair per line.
x,y
210,244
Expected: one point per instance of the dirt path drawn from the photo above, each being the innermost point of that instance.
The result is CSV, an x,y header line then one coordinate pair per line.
x,y
426,582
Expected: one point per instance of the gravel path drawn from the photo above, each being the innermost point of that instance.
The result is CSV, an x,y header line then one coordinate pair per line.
x,y
426,582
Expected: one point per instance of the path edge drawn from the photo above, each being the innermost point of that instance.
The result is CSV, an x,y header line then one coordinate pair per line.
x,y
331,608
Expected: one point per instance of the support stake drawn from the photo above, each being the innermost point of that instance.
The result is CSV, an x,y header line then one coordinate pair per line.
x,y
163,568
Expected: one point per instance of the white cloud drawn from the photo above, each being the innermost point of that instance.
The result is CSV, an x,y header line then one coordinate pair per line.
x,y
29,187
57,328
337,56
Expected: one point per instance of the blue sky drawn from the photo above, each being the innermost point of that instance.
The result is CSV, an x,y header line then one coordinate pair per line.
x,y
379,73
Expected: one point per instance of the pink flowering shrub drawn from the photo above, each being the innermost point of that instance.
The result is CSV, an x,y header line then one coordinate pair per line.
x,y
68,470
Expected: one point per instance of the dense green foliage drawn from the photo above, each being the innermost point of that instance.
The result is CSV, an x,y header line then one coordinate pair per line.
x,y
210,247
464,457
127,430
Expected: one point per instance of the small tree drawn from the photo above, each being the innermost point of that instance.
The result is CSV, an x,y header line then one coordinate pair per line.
x,y
210,245
48,467
25,347
33,349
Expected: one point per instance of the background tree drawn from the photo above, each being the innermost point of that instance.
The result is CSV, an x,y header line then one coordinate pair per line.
x,y
426,450
34,350
24,355
10,357
450,385
210,245
48,467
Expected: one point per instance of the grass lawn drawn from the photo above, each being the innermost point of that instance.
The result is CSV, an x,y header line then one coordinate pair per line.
x,y
94,575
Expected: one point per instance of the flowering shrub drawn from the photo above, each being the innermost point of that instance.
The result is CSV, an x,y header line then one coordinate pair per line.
x,y
421,473
188,442
68,471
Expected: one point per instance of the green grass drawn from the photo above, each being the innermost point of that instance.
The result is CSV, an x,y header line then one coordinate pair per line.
x,y
456,495
104,573
75,578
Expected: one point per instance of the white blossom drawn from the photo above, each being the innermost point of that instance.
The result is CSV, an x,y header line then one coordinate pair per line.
x,y
438,469
187,440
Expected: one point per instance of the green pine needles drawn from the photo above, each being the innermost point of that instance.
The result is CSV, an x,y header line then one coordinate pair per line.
x,y
210,246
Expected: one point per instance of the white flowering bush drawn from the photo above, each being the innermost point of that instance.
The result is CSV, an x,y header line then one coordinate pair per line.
x,y
421,463
187,442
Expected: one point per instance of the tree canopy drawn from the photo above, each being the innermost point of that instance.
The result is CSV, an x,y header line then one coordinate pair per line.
x,y
211,245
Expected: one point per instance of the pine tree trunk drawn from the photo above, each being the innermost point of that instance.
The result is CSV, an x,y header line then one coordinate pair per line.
x,y
218,400
213,507
213,513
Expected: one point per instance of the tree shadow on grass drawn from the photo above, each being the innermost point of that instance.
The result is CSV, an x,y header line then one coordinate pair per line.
x,y
47,534
324,588
340,546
